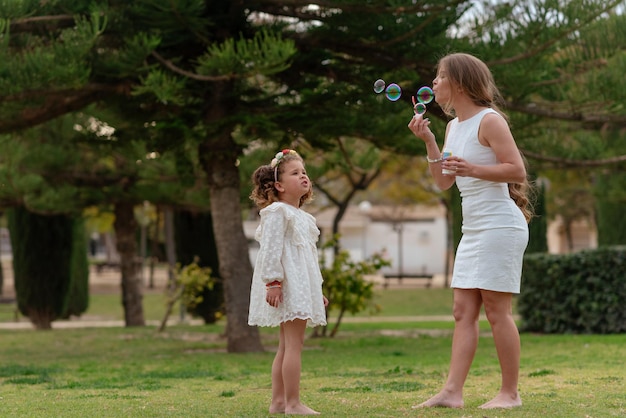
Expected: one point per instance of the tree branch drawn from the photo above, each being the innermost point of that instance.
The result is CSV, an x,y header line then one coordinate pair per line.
x,y
541,48
55,104
28,24
569,163
172,67
619,120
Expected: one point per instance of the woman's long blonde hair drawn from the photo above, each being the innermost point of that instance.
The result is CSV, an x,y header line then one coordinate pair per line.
x,y
471,75
474,78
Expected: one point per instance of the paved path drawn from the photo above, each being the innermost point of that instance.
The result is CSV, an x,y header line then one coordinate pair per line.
x,y
108,281
86,323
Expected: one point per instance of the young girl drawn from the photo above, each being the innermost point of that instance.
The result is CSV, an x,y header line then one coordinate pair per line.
x,y
287,282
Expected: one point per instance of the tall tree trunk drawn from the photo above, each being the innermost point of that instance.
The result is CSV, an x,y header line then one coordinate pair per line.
x,y
125,230
219,162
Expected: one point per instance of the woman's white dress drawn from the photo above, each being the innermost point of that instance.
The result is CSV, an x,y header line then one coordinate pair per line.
x,y
495,232
288,253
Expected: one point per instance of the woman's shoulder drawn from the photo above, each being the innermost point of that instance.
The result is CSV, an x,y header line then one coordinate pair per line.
x,y
491,119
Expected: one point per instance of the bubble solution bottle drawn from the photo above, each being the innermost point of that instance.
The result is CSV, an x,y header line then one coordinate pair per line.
x,y
445,154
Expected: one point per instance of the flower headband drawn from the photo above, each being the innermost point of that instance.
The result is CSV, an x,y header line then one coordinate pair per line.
x,y
278,158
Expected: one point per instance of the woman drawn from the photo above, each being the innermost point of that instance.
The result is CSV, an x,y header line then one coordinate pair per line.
x,y
489,171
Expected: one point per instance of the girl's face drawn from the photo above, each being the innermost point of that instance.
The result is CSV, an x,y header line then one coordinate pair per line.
x,y
294,182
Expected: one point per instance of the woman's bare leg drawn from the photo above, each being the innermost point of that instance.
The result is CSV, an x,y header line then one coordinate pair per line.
x,y
467,304
498,307
278,387
292,365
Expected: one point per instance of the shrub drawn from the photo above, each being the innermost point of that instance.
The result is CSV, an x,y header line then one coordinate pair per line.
x,y
580,293
345,282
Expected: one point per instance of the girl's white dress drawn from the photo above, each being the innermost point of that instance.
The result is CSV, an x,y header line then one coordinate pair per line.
x,y
288,253
495,232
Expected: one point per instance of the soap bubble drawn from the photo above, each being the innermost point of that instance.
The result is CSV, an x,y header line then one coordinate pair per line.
x,y
425,95
379,86
419,108
393,92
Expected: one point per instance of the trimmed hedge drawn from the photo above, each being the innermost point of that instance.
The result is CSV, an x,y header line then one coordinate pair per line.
x,y
579,293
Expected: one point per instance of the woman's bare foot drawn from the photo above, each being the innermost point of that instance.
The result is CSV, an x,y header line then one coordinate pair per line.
x,y
444,399
300,409
503,400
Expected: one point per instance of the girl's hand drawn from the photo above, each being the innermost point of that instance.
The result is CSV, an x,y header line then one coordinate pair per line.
x,y
274,296
325,301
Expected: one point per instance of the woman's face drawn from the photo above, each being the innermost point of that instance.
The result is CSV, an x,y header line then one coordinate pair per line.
x,y
442,87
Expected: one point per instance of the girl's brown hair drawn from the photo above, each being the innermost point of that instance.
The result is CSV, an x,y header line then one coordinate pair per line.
x,y
265,177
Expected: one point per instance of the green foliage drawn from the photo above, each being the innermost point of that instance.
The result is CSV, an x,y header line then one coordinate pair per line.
x,y
42,250
127,60
188,285
266,53
610,201
78,294
538,227
578,293
61,64
165,86
195,242
345,282
190,281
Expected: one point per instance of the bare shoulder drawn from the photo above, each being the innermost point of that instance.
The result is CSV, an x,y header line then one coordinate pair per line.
x,y
494,120
494,127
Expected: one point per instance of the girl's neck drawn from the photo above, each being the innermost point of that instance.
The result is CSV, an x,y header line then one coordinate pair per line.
x,y
292,202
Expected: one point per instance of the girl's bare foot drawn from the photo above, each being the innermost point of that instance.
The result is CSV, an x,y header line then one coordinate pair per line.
x,y
300,409
503,400
277,407
444,399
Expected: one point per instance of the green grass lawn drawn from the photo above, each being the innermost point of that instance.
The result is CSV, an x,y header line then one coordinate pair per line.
x,y
185,372
371,369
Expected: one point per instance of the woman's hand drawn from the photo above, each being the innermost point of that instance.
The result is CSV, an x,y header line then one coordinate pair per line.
x,y
420,127
325,301
458,166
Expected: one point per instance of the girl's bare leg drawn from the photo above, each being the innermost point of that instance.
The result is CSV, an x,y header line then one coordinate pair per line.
x,y
467,304
498,307
278,387
292,365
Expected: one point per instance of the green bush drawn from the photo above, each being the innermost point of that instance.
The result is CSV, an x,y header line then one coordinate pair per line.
x,y
345,282
579,293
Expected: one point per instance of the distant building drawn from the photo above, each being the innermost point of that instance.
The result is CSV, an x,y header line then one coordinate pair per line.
x,y
412,238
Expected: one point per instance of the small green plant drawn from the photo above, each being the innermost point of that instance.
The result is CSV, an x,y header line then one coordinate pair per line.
x,y
345,284
187,287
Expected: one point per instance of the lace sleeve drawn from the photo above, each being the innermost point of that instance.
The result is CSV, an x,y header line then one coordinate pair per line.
x,y
272,240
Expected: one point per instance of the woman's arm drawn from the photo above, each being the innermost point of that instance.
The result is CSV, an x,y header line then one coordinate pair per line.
x,y
420,128
494,132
